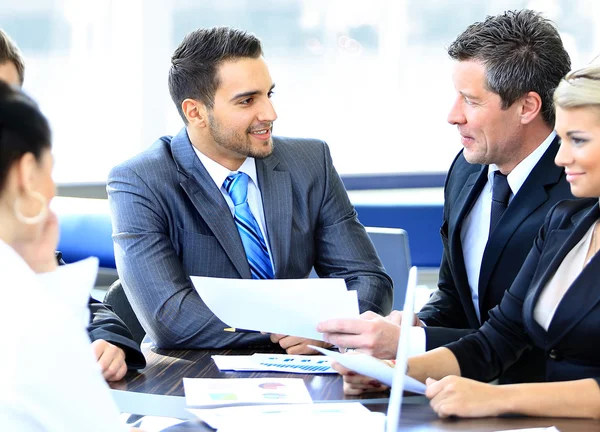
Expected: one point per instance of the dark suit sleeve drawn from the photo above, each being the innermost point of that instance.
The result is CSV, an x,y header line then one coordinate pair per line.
x,y
105,324
153,276
499,343
444,312
344,249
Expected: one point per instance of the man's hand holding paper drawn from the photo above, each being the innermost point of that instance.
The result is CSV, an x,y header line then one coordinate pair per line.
x,y
297,345
371,333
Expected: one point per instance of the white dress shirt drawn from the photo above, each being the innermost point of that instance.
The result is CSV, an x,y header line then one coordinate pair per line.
x,y
219,173
476,226
49,375
476,229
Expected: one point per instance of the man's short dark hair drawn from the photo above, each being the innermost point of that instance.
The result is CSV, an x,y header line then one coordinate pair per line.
x,y
194,64
23,129
10,53
521,51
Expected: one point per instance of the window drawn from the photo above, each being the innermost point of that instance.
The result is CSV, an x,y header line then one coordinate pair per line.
x,y
370,78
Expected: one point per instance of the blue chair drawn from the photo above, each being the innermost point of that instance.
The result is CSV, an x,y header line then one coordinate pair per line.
x,y
85,230
392,247
421,221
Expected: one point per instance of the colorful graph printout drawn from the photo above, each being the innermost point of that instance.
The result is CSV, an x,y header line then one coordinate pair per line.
x,y
275,363
205,392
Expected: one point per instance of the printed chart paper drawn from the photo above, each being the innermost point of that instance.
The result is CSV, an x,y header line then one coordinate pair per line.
x,y
255,417
306,364
206,392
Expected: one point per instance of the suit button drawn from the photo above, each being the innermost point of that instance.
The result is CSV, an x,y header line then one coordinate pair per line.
x,y
554,354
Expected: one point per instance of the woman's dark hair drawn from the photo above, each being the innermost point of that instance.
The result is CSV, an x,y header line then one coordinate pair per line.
x,y
23,129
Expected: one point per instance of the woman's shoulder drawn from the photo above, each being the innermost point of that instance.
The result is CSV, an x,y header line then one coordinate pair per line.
x,y
571,211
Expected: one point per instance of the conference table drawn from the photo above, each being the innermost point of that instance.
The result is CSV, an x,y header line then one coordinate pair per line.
x,y
158,390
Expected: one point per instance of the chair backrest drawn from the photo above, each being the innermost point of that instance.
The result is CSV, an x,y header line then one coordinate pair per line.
x,y
116,298
392,247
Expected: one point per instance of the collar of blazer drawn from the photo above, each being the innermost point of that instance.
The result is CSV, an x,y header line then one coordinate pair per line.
x,y
275,188
583,295
532,194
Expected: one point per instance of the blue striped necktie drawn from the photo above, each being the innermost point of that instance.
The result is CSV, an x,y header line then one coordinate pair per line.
x,y
252,239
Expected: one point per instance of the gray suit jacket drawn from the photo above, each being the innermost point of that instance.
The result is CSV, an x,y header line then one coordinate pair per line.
x,y
171,221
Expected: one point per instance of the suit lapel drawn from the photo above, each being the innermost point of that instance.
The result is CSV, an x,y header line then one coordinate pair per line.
x,y
208,201
276,190
530,196
463,204
583,295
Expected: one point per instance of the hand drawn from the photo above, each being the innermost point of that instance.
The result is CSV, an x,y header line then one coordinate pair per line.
x,y
111,360
371,333
297,345
356,384
456,396
39,253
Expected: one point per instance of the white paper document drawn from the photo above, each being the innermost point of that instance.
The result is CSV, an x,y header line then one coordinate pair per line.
x,y
306,364
370,366
345,416
206,392
285,306
542,429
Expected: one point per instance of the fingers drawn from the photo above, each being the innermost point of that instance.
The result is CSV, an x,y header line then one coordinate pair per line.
x,y
346,326
296,345
356,384
275,338
111,360
395,317
433,387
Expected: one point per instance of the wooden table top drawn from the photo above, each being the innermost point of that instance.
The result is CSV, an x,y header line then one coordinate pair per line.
x,y
163,376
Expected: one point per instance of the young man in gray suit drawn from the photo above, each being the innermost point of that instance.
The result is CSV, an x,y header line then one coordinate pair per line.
x,y
506,70
177,212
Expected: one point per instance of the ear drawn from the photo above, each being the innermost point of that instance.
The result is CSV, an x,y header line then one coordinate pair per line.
x,y
531,106
25,170
195,112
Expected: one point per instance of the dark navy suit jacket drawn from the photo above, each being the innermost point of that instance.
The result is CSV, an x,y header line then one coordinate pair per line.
x,y
569,345
449,313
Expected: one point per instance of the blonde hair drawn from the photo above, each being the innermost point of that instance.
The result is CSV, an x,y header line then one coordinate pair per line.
x,y
580,88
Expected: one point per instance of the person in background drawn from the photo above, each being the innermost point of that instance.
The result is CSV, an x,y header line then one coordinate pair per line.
x,y
498,190
223,198
50,379
553,304
112,341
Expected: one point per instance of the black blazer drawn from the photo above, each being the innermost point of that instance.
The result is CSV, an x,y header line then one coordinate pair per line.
x,y
449,313
105,324
569,345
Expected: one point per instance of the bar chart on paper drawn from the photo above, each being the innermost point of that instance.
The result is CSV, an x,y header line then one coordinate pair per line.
x,y
275,363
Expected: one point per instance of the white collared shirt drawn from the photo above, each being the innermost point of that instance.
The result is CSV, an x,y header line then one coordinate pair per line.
x,y
219,173
50,378
476,226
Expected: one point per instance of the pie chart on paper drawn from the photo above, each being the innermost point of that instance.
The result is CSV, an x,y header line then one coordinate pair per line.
x,y
271,385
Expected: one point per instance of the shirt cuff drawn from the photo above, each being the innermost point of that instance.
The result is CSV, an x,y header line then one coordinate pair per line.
x,y
417,341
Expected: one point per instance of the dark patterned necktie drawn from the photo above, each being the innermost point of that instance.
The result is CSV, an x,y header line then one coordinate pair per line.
x,y
500,196
252,238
